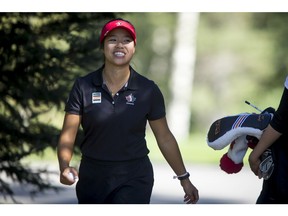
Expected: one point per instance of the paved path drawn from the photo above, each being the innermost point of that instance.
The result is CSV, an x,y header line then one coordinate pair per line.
x,y
214,185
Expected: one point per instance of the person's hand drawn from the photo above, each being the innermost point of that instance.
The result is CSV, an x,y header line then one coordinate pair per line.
x,y
254,163
191,193
69,176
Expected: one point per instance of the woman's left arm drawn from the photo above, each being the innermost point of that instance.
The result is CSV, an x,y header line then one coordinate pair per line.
x,y
171,152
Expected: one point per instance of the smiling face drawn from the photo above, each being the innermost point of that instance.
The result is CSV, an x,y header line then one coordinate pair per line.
x,y
119,47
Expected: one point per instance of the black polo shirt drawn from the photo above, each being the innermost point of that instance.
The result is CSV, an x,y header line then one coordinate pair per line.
x,y
114,128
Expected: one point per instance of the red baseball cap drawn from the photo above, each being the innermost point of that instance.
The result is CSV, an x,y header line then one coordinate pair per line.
x,y
118,23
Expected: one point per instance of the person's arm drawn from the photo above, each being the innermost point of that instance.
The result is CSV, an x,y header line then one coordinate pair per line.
x,y
171,152
277,126
269,136
65,147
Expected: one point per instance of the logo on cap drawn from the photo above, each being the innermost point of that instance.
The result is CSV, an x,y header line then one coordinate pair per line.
x,y
115,24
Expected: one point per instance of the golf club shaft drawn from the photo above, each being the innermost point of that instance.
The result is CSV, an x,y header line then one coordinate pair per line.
x,y
253,106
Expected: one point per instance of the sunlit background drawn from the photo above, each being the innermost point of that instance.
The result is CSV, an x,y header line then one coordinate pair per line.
x,y
206,64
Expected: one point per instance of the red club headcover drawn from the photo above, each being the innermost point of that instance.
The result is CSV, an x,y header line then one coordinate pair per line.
x,y
227,165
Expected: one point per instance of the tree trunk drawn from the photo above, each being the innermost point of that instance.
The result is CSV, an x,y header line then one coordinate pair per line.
x,y
181,83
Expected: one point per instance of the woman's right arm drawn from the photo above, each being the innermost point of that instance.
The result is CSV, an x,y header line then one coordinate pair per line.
x,y
65,147
269,136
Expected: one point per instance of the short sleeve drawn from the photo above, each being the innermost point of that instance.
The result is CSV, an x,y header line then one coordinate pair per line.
x,y
157,110
74,104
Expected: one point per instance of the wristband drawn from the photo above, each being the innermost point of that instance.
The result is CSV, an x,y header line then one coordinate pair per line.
x,y
182,177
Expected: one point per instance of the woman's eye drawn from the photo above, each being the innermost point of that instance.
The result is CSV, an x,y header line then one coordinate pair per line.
x,y
124,40
128,40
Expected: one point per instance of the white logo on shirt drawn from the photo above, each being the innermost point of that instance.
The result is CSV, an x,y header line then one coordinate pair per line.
x,y
130,99
96,97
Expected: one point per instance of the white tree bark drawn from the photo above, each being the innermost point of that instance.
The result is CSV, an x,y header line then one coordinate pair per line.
x,y
181,83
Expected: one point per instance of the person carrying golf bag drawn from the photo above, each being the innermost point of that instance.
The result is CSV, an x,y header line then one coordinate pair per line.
x,y
275,137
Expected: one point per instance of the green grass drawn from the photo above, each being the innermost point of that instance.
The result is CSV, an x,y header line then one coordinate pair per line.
x,y
193,149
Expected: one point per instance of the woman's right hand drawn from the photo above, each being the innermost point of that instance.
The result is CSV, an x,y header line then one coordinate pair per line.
x,y
69,176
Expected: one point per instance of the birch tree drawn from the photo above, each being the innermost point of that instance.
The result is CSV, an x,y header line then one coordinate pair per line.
x,y
181,83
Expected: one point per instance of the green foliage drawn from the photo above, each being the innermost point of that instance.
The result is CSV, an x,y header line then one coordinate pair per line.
x,y
240,56
275,26
40,56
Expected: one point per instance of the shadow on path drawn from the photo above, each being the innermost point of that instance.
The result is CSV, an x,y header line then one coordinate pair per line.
x,y
214,185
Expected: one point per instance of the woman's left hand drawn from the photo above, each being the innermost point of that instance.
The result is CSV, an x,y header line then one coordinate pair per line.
x,y
191,192
254,163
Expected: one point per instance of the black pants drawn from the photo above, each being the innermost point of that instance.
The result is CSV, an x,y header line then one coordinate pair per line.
x,y
128,182
275,189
